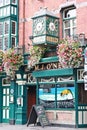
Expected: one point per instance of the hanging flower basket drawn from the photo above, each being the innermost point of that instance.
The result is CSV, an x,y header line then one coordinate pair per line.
x,y
12,61
36,53
69,53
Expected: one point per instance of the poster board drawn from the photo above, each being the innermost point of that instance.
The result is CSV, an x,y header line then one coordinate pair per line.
x,y
38,111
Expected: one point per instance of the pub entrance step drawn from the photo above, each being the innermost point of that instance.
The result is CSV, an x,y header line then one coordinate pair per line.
x,y
38,113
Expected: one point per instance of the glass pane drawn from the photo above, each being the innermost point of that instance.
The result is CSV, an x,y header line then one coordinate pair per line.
x,y
13,41
65,96
7,100
5,13
1,43
1,28
6,27
7,90
4,100
7,114
74,31
13,27
8,10
21,90
1,13
73,22
14,1
5,43
67,32
4,91
1,3
47,95
7,2
3,114
13,10
67,24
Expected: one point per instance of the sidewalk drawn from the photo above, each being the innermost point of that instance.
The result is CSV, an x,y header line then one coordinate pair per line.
x,y
32,127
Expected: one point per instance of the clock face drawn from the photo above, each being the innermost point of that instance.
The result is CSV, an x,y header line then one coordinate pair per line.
x,y
38,26
52,26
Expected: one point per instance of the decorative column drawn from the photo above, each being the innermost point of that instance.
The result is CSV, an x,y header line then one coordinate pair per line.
x,y
12,101
21,109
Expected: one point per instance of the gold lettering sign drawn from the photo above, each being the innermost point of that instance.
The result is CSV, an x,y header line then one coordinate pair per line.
x,y
47,66
52,39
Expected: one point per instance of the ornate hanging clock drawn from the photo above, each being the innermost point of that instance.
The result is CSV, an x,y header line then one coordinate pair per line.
x,y
45,28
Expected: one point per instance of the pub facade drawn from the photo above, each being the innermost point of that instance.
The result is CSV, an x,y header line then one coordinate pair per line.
x,y
43,81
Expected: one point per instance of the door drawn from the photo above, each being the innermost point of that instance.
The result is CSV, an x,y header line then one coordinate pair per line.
x,y
5,105
31,98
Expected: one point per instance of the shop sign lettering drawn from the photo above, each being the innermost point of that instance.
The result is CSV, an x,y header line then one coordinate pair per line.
x,y
47,66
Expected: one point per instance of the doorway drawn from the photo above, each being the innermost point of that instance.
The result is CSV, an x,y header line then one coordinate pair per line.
x,y
31,98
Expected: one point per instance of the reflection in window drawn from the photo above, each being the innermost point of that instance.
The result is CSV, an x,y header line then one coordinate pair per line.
x,y
47,96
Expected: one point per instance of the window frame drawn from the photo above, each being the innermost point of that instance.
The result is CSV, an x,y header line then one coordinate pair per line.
x,y
56,98
70,20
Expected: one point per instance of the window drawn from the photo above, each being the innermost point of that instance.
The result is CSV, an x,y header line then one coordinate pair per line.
x,y
13,10
13,27
14,1
1,28
47,95
7,2
13,41
1,3
5,43
1,43
82,94
57,95
4,2
4,35
1,12
6,27
69,22
8,10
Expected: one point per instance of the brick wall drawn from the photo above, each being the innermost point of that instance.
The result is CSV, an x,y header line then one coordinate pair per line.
x,y
27,9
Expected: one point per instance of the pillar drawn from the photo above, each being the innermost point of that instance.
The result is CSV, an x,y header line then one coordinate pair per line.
x,y
12,102
21,109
